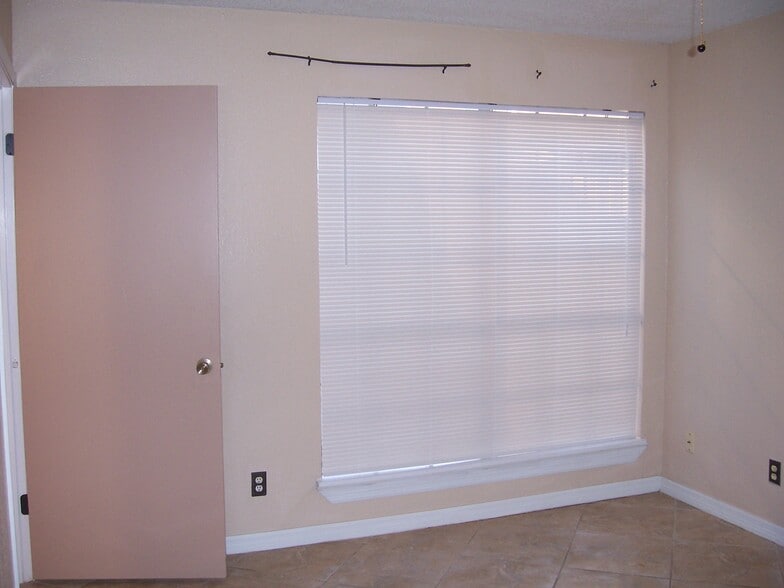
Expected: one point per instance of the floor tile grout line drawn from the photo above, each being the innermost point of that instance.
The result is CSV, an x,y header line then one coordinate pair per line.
x,y
456,555
342,563
629,574
446,571
569,549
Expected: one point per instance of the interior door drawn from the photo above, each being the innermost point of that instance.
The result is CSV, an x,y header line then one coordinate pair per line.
x,y
117,251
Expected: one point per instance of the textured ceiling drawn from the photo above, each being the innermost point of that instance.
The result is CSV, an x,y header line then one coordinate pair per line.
x,y
662,21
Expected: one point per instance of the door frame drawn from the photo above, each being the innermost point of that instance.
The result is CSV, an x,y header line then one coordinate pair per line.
x,y
10,381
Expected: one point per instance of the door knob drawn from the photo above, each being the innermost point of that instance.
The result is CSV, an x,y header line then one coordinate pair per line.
x,y
204,366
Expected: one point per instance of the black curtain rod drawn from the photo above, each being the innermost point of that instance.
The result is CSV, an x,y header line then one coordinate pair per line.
x,y
310,59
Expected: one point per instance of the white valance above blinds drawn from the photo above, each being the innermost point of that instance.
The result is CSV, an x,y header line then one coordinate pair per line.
x,y
480,283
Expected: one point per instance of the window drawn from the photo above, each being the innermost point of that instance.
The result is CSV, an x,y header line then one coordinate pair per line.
x,y
480,292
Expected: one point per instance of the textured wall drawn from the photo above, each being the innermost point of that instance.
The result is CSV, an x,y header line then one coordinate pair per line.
x,y
726,276
267,167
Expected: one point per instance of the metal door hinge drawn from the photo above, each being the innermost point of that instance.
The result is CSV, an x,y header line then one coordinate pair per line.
x,y
23,504
9,144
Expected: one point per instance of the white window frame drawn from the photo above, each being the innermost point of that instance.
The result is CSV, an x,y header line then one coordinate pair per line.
x,y
363,485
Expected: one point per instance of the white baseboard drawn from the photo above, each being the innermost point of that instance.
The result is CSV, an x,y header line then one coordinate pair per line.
x,y
434,518
489,510
724,511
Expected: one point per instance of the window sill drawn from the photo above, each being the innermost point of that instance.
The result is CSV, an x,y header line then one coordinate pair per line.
x,y
353,487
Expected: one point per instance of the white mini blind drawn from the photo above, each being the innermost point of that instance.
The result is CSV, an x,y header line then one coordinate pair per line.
x,y
480,281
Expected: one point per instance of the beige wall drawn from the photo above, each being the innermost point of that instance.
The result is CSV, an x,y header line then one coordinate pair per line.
x,y
269,273
726,277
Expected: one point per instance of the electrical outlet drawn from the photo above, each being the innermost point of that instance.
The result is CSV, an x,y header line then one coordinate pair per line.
x,y
774,472
690,442
258,483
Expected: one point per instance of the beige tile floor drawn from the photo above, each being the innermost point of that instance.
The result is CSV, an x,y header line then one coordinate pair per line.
x,y
648,541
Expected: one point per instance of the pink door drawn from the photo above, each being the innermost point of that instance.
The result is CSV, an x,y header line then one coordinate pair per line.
x,y
117,252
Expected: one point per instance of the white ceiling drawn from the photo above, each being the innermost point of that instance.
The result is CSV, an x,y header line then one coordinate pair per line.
x,y
662,21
